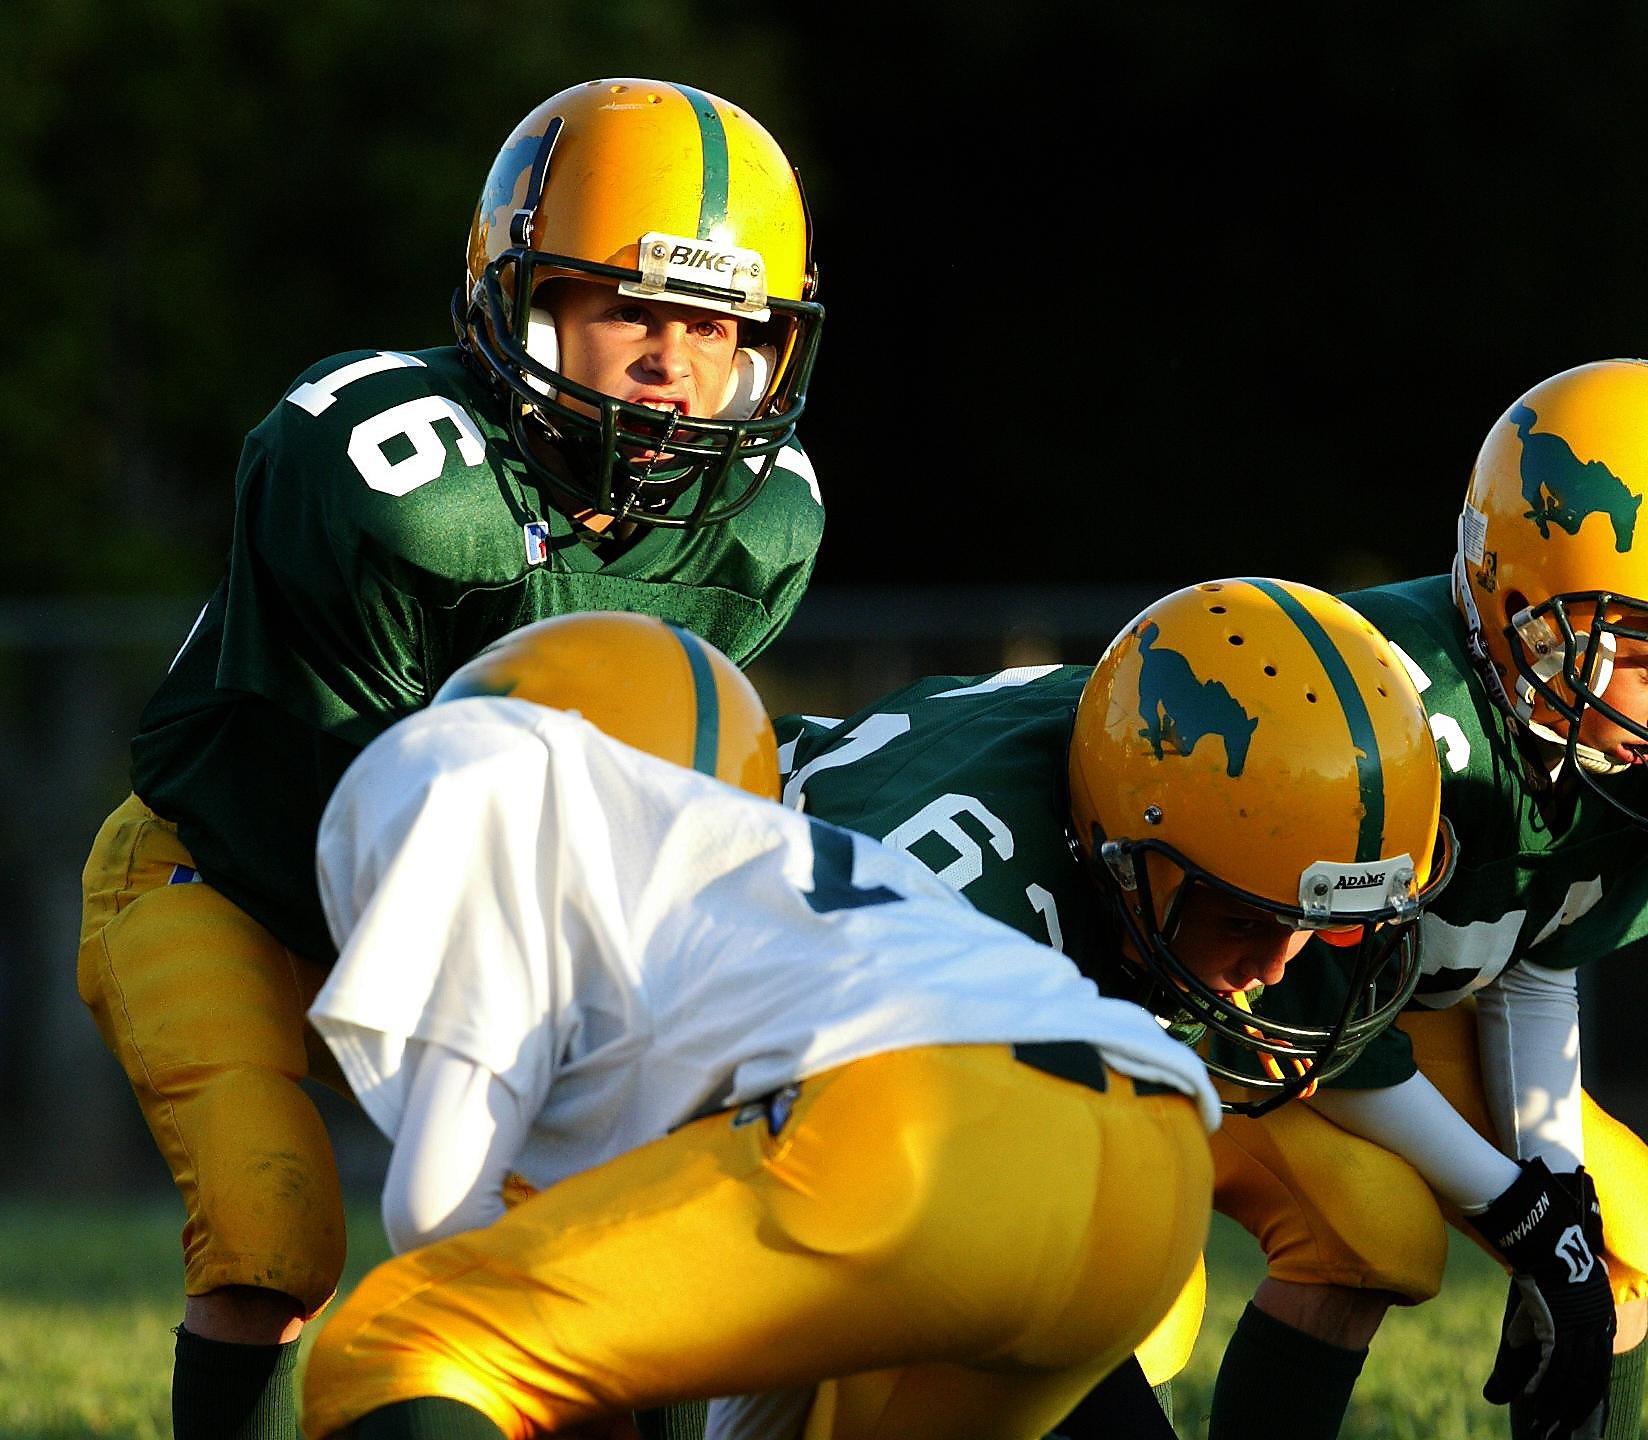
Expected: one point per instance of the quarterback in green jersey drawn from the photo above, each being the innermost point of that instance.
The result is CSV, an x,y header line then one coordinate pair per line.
x,y
614,430
1246,752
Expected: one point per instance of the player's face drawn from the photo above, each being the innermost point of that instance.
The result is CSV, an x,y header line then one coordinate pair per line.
x,y
649,352
1627,690
1230,946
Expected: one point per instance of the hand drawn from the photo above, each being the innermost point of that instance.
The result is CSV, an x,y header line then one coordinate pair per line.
x,y
1556,1343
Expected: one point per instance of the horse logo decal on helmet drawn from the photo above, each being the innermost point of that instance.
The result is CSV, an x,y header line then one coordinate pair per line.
x,y
1562,489
1181,710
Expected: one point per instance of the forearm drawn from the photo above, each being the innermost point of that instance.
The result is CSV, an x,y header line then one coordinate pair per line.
x,y
1414,1121
1528,1031
460,1137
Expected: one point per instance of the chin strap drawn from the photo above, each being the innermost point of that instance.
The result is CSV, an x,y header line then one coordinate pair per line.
x,y
1476,641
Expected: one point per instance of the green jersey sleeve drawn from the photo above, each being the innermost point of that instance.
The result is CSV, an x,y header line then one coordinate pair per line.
x,y
384,531
1558,889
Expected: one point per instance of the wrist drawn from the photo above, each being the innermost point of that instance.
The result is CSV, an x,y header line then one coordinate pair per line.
x,y
1523,1211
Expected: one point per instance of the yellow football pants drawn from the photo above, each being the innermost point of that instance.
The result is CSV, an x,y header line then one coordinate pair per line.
x,y
1166,1350
205,1010
964,1243
1330,1208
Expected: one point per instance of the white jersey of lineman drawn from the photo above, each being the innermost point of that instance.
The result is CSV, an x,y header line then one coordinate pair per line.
x,y
627,944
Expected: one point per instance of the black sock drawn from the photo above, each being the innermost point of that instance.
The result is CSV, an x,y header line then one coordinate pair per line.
x,y
674,1422
1120,1404
232,1392
1275,1380
429,1418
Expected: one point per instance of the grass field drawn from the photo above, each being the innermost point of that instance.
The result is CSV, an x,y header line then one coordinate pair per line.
x,y
87,1304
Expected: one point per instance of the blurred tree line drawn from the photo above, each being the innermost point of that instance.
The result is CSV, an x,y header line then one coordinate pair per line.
x,y
1115,292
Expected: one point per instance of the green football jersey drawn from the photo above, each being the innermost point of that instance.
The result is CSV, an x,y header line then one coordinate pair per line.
x,y
970,776
1560,888
385,530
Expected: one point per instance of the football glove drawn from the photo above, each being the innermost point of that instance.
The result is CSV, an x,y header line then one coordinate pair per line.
x,y
1556,1341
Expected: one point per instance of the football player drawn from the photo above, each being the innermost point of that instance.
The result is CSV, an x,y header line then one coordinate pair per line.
x,y
786,1110
1246,752
614,428
1533,661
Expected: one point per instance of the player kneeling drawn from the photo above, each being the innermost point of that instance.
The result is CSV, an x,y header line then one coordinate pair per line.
x,y
795,1114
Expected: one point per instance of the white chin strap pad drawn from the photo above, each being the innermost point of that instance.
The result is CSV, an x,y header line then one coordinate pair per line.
x,y
752,368
542,345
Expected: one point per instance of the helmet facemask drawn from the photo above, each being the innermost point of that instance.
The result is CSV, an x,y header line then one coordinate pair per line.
x,y
1567,669
1369,915
584,452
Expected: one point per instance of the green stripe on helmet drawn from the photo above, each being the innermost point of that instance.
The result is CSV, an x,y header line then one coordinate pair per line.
x,y
712,208
706,730
1370,771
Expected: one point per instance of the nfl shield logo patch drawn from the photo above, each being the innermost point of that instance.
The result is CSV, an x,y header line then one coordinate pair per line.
x,y
537,541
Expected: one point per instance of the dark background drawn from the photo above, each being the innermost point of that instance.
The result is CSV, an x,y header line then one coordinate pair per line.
x,y
1152,292
1119,298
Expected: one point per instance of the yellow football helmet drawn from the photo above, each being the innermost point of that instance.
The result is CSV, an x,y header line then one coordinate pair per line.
x,y
668,193
1551,522
640,680
1260,739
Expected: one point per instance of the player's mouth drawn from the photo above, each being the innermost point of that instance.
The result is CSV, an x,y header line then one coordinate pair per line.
x,y
670,409
661,402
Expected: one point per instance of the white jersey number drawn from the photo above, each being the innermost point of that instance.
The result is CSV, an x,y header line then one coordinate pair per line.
x,y
939,816
412,421
1451,743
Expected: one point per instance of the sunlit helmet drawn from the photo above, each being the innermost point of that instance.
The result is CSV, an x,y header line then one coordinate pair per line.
x,y
1551,522
670,194
1259,739
640,680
